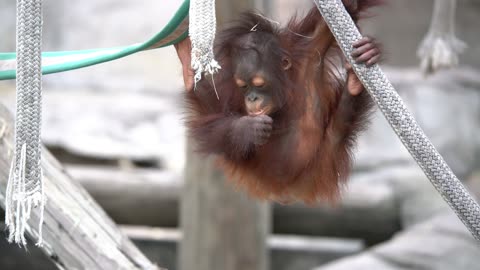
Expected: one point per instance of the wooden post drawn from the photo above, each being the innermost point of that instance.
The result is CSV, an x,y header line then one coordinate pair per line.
x,y
223,228
77,233
265,6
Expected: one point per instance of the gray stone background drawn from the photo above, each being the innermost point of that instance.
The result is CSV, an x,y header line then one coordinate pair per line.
x,y
125,113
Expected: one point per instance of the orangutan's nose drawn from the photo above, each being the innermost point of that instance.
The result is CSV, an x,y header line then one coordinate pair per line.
x,y
252,97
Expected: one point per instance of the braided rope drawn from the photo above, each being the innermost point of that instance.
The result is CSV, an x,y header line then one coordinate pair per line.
x,y
202,30
401,120
25,188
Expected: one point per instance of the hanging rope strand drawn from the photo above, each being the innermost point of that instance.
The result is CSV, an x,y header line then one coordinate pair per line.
x,y
401,120
25,187
202,28
440,47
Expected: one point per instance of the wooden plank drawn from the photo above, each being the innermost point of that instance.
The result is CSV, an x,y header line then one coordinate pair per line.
x,y
286,252
369,199
77,233
133,196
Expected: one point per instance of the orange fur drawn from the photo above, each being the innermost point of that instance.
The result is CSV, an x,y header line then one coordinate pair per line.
x,y
308,156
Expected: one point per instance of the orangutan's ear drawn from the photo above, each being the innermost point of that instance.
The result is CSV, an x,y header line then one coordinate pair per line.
x,y
286,63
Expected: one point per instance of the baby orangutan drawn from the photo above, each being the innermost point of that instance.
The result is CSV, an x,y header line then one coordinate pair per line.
x,y
288,110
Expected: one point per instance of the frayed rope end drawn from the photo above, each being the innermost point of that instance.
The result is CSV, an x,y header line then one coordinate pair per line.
x,y
19,202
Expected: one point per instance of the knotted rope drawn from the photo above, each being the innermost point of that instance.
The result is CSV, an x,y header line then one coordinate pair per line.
x,y
25,187
401,120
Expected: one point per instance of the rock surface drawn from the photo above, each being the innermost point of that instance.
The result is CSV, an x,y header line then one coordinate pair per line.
x,y
441,243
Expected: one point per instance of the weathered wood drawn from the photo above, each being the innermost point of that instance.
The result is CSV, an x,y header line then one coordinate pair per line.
x,y
223,228
265,7
369,199
133,196
286,252
77,233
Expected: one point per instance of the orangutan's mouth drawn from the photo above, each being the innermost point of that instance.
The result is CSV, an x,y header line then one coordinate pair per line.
x,y
256,113
263,111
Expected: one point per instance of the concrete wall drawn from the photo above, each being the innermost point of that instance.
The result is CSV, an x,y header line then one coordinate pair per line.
x,y
99,24
401,25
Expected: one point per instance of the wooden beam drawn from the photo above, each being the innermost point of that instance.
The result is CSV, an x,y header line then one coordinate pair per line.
x,y
286,252
133,196
370,198
77,233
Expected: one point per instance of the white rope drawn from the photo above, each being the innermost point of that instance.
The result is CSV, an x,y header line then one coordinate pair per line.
x,y
401,120
202,30
25,186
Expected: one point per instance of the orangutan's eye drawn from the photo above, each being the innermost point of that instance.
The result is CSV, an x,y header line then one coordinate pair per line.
x,y
258,81
241,83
